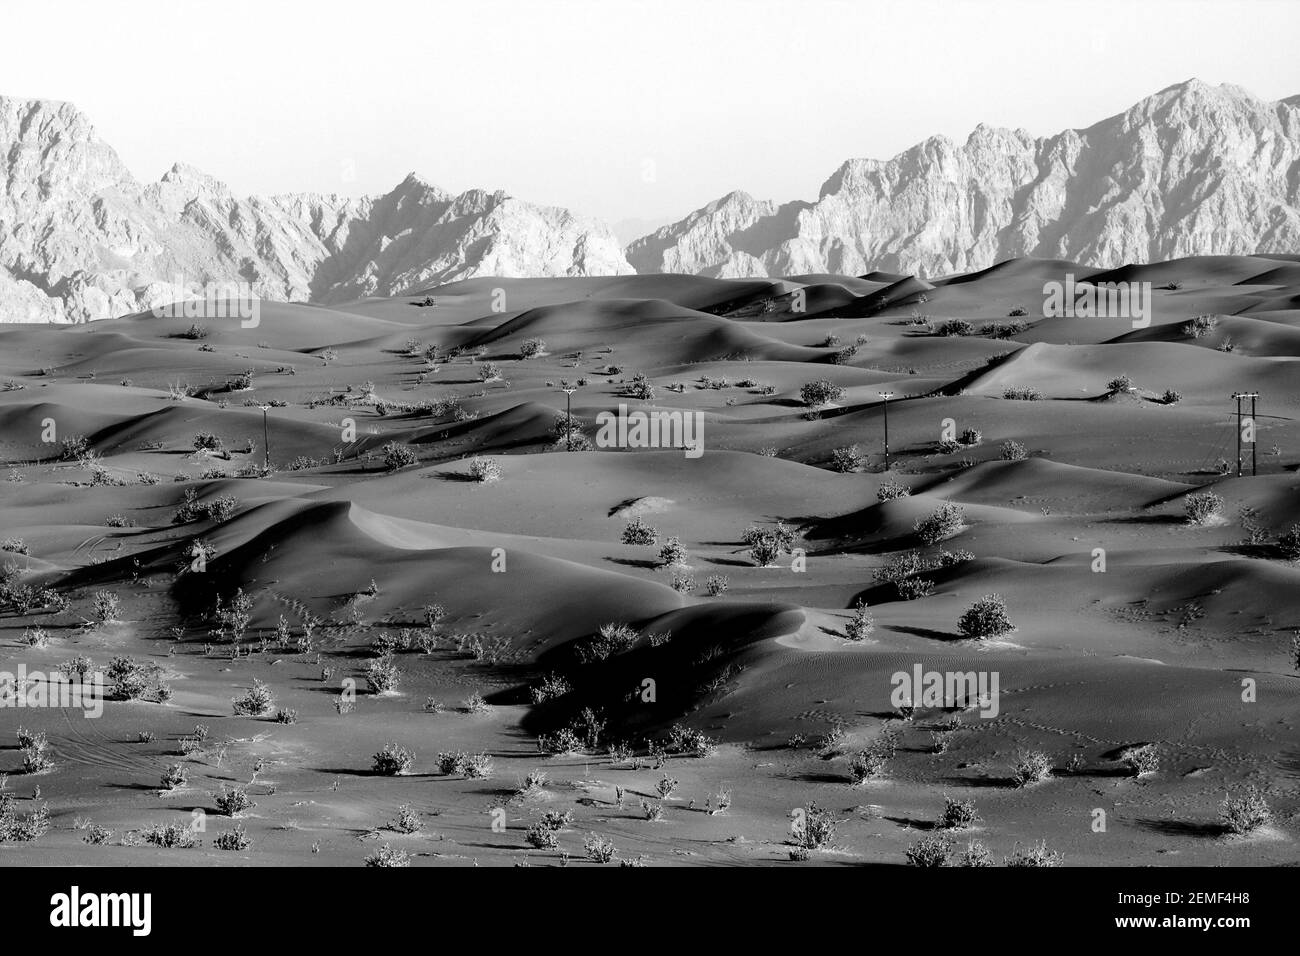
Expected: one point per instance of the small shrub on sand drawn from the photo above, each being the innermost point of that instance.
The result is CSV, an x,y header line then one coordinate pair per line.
x,y
943,523
638,532
932,850
397,456
234,839
393,760
598,849
1202,507
387,856
673,553
813,828
957,814
484,470
255,701
821,392
612,639
1288,543
233,800
1244,812
861,625
1012,450
1031,766
1022,393
1035,855
1141,760
986,618
846,459
382,675
891,488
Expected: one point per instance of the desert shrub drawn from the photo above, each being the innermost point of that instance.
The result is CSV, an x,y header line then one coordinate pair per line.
x,y
846,459
207,441
233,839
14,546
830,342
286,715
845,355
382,675
943,523
541,837
673,553
171,836
970,437
255,701
1003,330
891,488
1200,326
97,835
393,760
74,448
485,470
1244,812
612,639
957,814
1017,311
78,667
531,347
1140,760
130,679
820,392
715,584
175,777
764,551
1036,855
1202,507
639,533
489,372
551,687
931,850
815,829
910,589
106,607
563,741
387,856
1288,543
397,456
682,582
233,800
975,854
1022,393
598,849
986,618
1012,450
1171,397
641,389
954,327
1121,383
861,625
1031,766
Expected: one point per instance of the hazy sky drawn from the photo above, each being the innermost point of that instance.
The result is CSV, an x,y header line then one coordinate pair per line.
x,y
615,108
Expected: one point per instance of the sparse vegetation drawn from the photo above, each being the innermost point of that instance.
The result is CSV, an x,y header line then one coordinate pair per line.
x,y
986,618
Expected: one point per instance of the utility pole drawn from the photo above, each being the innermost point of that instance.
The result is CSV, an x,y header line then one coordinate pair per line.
x,y
886,396
266,442
1254,442
568,416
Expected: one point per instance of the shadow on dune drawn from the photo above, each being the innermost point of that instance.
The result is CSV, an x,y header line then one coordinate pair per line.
x,y
1182,828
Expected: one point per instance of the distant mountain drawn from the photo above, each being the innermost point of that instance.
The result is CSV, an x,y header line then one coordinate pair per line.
x,y
81,239
1193,170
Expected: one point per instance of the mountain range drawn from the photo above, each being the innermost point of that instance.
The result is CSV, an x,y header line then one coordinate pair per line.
x,y
1192,170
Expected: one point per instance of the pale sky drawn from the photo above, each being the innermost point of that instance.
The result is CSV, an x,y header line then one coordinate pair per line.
x,y
615,108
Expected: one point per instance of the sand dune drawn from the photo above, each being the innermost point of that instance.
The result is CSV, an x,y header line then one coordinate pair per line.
x,y
1133,624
